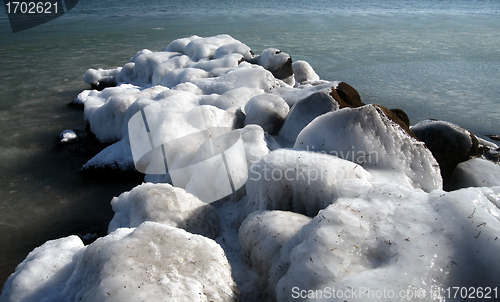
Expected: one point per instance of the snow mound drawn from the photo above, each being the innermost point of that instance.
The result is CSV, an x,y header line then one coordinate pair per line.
x,y
105,110
304,111
362,244
44,272
476,172
167,205
304,73
266,110
116,157
367,137
298,181
101,77
263,233
152,262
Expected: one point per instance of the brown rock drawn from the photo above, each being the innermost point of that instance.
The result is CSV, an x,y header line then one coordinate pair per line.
x,y
346,96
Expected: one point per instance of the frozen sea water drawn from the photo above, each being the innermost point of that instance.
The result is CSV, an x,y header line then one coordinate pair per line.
x,y
432,59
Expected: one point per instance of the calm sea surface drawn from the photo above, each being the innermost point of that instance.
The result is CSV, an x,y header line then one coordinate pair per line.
x,y
433,59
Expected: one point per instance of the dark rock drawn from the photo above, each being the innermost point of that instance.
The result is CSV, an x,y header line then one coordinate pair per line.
x,y
304,111
450,144
284,71
346,96
402,116
399,118
494,136
269,60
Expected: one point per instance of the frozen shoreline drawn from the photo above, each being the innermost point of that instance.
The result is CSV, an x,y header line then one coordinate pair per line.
x,y
222,76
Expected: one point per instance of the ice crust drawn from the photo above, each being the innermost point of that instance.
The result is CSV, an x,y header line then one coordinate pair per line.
x,y
367,137
339,199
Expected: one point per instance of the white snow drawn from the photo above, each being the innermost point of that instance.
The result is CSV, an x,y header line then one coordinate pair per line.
x,y
299,181
68,136
164,204
268,111
367,137
303,112
438,240
152,262
304,73
101,76
356,205
476,172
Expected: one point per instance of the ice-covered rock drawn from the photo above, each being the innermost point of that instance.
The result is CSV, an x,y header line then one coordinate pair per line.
x,y
182,75
167,66
363,244
198,44
68,136
105,110
262,235
449,143
268,111
367,137
303,112
101,78
152,262
279,63
114,159
42,276
243,76
475,172
293,95
234,48
145,65
234,98
179,45
304,73
167,205
298,181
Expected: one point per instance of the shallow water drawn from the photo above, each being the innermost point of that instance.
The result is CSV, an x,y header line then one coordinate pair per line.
x,y
432,59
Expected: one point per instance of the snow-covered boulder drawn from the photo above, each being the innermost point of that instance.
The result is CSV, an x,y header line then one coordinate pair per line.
x,y
303,112
268,111
179,45
298,181
304,73
262,235
361,245
101,78
293,95
167,205
367,137
167,66
243,76
105,110
198,44
114,159
234,48
43,274
475,172
279,63
146,64
152,262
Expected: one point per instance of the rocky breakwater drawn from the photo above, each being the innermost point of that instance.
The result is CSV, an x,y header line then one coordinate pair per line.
x,y
266,183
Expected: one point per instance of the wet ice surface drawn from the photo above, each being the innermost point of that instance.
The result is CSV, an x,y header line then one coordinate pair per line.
x,y
299,219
